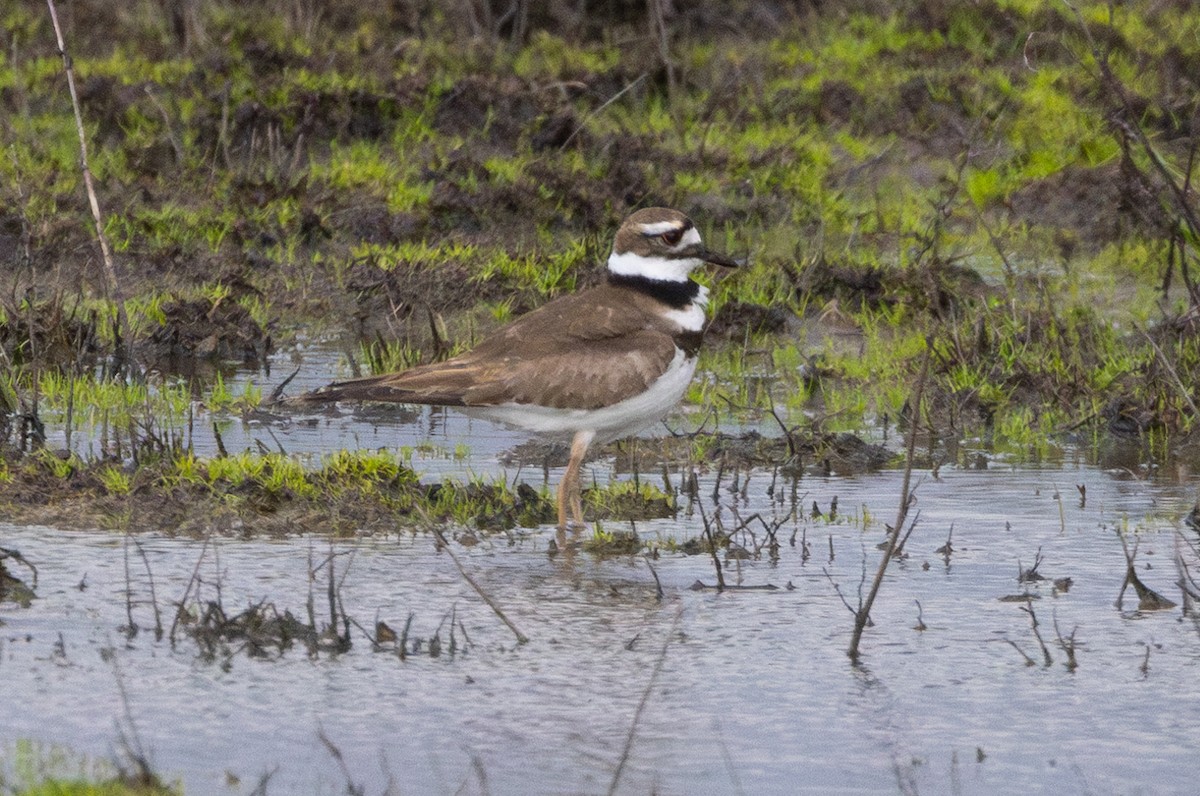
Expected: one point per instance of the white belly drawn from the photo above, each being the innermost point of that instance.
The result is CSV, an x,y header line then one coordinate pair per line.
x,y
609,422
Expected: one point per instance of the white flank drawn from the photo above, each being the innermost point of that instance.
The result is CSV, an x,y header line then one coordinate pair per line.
x,y
609,422
629,264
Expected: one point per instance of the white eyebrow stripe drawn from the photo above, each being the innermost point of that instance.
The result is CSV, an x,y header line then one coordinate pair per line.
x,y
690,238
660,227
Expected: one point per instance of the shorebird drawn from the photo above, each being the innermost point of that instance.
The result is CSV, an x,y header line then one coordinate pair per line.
x,y
599,364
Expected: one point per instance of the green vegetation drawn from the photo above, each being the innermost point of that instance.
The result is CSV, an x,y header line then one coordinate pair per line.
x,y
34,769
1000,180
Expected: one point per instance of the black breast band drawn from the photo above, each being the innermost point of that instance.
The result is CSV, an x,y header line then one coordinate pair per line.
x,y
676,295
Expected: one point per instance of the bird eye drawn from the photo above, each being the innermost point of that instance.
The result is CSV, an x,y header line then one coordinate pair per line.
x,y
672,237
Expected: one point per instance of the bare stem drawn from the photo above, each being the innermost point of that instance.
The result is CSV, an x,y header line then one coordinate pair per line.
x,y
110,270
179,607
712,548
637,713
521,637
862,616
158,627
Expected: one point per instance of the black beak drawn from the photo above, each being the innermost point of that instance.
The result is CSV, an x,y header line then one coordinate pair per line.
x,y
716,258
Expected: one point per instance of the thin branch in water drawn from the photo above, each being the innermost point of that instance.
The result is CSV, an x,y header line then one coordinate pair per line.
x,y
1067,645
1028,608
838,591
712,548
158,628
1187,583
637,713
351,788
131,627
947,550
920,625
1028,661
277,393
136,769
658,589
521,637
912,526
1148,598
15,555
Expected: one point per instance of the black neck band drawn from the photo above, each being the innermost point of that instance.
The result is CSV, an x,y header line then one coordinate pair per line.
x,y
677,295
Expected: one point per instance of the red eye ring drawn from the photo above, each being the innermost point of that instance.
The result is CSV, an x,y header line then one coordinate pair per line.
x,y
672,237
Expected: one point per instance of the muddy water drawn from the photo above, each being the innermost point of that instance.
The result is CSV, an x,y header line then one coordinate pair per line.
x,y
754,695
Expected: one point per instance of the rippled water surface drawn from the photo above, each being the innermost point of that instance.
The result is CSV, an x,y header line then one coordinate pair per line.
x,y
754,695
746,691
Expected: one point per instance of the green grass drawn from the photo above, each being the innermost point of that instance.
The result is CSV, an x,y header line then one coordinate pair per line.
x,y
313,161
35,769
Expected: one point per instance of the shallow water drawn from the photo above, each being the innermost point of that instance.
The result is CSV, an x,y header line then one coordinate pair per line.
x,y
755,693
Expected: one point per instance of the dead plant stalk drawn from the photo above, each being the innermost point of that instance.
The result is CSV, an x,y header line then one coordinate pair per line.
x,y
1183,391
862,616
441,537
110,270
641,706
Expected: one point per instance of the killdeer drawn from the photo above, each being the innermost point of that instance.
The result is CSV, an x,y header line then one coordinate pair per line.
x,y
599,364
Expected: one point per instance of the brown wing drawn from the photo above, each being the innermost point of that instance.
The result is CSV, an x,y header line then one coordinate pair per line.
x,y
588,375
580,351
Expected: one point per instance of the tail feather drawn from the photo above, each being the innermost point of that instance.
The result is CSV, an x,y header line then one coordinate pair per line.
x,y
387,388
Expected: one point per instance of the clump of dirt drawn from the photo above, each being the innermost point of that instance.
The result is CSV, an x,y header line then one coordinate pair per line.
x,y
627,505
49,332
12,588
259,630
501,106
1090,207
855,284
606,545
797,451
208,329
737,318
384,297
937,286
838,101
814,450
493,507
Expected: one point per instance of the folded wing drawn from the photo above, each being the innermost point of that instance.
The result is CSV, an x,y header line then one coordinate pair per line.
x,y
555,356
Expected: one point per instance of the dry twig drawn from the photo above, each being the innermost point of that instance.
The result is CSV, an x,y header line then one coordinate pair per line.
x,y
637,713
863,615
110,269
521,637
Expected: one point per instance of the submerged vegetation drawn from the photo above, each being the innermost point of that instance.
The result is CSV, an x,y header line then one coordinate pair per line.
x,y
1009,183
